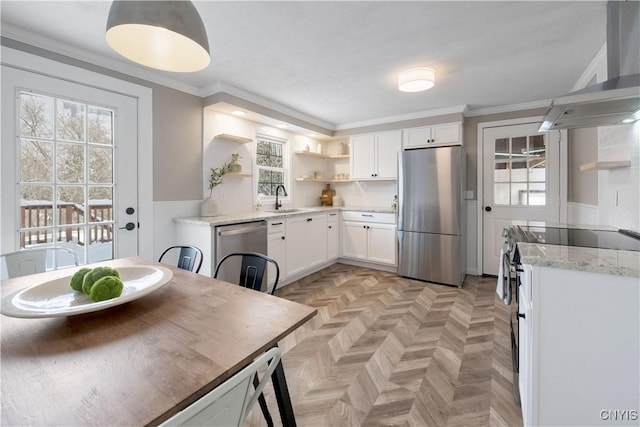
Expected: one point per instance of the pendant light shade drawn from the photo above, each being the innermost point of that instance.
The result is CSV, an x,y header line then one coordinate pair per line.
x,y
166,35
416,79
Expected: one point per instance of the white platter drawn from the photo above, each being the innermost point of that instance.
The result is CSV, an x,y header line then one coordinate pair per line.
x,y
55,298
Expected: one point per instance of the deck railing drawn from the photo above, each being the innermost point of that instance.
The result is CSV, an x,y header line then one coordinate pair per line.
x,y
37,221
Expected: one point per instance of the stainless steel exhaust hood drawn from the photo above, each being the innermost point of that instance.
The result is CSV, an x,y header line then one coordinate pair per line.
x,y
616,100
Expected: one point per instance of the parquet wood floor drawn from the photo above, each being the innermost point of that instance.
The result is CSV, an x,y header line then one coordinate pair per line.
x,y
385,351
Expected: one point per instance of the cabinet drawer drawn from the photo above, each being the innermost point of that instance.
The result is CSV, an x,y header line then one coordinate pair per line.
x,y
381,217
275,226
332,217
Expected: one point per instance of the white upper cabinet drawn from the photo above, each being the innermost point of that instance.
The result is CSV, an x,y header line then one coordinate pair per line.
x,y
374,156
442,134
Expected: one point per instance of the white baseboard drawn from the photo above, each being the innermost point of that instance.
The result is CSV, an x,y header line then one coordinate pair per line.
x,y
371,265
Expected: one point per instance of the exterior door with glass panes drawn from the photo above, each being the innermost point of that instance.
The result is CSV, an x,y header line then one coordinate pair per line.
x,y
521,183
69,157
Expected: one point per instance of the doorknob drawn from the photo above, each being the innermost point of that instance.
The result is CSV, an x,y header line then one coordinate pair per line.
x,y
128,226
487,208
130,211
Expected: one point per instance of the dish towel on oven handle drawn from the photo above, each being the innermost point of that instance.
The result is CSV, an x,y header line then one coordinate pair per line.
x,y
503,289
499,286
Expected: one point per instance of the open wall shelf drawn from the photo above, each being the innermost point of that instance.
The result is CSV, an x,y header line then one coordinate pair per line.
x,y
606,165
322,156
233,138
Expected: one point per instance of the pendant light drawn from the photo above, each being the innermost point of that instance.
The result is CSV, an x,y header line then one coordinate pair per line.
x,y
166,35
416,79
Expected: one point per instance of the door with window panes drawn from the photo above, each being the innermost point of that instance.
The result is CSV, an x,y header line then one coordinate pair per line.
x,y
521,183
75,171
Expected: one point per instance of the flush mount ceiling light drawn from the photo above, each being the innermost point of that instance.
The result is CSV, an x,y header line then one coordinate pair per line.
x,y
416,79
166,35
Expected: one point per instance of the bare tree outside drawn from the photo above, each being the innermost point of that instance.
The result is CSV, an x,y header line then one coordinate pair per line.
x,y
37,163
66,151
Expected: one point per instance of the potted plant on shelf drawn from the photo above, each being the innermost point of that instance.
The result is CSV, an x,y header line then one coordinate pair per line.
x,y
234,165
208,207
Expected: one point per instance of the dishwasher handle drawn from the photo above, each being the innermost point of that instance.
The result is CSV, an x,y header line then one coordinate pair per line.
x,y
242,230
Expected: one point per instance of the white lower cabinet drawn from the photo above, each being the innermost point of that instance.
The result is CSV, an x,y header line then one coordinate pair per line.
x,y
381,243
354,240
276,249
333,236
369,237
579,348
306,242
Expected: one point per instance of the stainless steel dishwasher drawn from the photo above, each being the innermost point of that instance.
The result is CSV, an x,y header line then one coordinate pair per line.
x,y
244,237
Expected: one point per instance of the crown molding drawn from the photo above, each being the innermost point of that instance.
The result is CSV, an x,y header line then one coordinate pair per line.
x,y
403,117
92,61
221,87
54,50
545,103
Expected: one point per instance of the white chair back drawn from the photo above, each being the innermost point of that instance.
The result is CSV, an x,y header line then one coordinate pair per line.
x,y
37,260
230,402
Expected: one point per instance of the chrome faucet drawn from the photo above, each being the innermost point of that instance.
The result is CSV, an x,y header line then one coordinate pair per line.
x,y
278,203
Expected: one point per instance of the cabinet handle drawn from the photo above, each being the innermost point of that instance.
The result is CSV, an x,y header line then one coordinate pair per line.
x,y
282,237
521,315
329,227
364,226
333,214
276,223
309,219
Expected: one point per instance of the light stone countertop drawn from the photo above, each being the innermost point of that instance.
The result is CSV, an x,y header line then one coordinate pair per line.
x,y
604,261
227,219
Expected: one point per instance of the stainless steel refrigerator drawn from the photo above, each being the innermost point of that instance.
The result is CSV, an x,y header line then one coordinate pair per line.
x,y
431,244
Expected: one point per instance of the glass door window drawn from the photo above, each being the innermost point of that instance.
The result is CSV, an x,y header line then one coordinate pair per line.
x,y
519,172
66,175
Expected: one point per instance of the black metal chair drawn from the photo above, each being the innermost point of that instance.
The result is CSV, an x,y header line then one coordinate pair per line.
x,y
189,258
253,266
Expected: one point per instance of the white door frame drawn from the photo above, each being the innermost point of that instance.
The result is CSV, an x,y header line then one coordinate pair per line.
x,y
563,164
47,67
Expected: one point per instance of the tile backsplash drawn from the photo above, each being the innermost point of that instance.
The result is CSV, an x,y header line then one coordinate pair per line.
x,y
619,189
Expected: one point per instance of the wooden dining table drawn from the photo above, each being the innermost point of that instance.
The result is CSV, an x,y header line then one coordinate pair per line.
x,y
141,362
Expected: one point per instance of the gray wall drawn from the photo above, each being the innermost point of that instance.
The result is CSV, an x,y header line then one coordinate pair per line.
x,y
582,148
177,130
177,145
